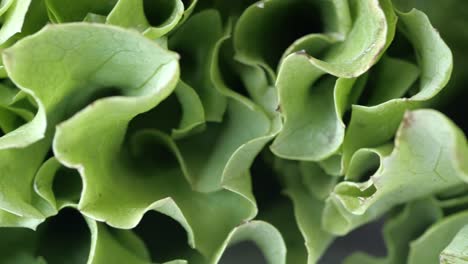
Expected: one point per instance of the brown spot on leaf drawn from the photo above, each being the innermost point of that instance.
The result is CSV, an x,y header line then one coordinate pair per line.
x,y
408,119
278,108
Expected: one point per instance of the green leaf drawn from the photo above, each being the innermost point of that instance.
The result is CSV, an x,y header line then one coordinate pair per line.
x,y
264,235
15,109
95,18
319,134
193,114
304,86
17,246
18,195
282,216
224,151
332,165
154,18
70,238
423,162
307,208
70,11
115,246
210,165
269,44
380,122
13,14
436,238
58,186
188,10
60,85
199,58
393,77
455,252
142,186
400,230
164,105
91,75
365,160
317,181
454,199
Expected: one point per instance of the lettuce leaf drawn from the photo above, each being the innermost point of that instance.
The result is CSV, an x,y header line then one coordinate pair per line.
x,y
282,123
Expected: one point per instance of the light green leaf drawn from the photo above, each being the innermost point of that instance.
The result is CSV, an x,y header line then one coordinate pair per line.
x,y
140,189
366,159
60,86
422,162
164,105
142,186
319,134
176,262
13,14
29,75
379,123
36,18
304,87
188,10
95,18
436,238
455,252
11,220
264,235
16,179
449,18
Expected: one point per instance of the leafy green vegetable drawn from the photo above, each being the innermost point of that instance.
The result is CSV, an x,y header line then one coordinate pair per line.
x,y
380,122
455,252
413,170
283,123
401,230
436,238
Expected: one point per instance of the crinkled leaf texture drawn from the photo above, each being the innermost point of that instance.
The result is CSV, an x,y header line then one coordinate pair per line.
x,y
379,122
143,74
121,109
424,161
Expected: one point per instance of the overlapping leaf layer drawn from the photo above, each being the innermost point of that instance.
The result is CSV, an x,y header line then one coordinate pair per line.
x,y
143,131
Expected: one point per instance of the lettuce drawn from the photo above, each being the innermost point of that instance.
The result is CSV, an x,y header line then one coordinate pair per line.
x,y
284,123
